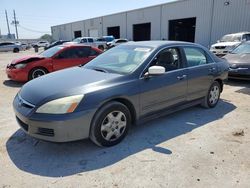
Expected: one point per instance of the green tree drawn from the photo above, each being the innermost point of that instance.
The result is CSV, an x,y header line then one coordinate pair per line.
x,y
47,37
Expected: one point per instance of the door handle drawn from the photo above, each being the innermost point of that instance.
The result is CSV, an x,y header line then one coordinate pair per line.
x,y
181,77
213,69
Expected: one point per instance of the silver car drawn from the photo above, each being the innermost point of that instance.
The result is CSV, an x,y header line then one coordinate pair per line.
x,y
10,46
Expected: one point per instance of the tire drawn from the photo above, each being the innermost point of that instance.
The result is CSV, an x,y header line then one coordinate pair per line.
x,y
213,95
37,72
110,125
101,47
16,50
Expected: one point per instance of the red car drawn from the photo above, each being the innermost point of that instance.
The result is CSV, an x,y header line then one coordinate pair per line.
x,y
53,59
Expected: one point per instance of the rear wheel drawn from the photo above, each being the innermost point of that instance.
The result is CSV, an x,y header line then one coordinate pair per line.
x,y
213,96
16,50
110,125
37,72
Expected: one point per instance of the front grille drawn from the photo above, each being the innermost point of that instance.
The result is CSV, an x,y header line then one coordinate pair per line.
x,y
220,47
45,132
22,124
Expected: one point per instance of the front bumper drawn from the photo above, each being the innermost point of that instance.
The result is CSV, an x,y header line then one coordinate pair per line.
x,y
55,128
220,52
17,75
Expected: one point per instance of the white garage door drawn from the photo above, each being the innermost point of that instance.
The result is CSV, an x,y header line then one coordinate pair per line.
x,y
93,33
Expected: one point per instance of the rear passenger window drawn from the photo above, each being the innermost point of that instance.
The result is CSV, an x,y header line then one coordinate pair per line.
x,y
93,53
82,52
195,57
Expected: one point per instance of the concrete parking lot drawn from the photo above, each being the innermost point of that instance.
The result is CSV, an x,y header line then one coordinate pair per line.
x,y
195,147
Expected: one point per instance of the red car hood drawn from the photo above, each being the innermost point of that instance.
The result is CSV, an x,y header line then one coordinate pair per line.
x,y
25,58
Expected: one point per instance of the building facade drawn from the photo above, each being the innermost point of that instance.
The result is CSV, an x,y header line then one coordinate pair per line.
x,y
200,21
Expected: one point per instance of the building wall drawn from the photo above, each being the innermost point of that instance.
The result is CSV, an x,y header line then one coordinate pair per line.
x,y
201,9
116,20
213,19
93,24
146,15
78,26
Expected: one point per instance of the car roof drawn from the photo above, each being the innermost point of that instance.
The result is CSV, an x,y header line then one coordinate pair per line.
x,y
159,43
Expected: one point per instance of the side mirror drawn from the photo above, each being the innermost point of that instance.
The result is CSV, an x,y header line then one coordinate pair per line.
x,y
218,41
155,70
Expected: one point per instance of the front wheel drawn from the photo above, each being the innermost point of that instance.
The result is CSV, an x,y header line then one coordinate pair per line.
x,y
213,96
110,125
37,72
16,50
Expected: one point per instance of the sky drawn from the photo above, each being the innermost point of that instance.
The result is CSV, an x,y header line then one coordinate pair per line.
x,y
37,16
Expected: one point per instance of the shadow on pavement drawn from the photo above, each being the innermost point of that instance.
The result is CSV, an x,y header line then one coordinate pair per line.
x,y
11,83
241,83
64,159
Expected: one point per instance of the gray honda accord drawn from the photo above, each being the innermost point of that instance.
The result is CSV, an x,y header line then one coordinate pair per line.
x,y
131,83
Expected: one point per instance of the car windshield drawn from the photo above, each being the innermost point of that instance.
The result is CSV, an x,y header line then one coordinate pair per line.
x,y
78,40
122,60
242,49
51,51
231,38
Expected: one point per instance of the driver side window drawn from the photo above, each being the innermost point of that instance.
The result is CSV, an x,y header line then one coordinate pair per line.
x,y
168,58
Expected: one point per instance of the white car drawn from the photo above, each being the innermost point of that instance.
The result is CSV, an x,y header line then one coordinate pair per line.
x,y
228,42
90,41
41,44
116,42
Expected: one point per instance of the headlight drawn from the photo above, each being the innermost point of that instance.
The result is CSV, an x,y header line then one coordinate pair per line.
x,y
20,66
61,106
228,48
212,48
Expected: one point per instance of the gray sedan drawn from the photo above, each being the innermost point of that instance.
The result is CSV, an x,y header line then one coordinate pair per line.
x,y
131,83
10,46
239,61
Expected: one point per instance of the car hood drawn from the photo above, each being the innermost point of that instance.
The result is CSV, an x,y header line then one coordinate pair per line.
x,y
27,59
225,44
238,58
72,81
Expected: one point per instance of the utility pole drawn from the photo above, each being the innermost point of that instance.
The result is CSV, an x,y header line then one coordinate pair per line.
x,y
6,14
15,22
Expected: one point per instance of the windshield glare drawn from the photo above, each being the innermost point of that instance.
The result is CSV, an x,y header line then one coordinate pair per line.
x,y
242,49
51,51
121,60
231,38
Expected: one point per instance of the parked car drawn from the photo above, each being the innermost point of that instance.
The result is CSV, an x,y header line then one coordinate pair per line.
x,y
40,44
10,46
53,59
229,42
239,60
100,43
56,43
133,82
116,42
24,46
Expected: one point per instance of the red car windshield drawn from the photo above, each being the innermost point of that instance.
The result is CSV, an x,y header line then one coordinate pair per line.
x,y
51,51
